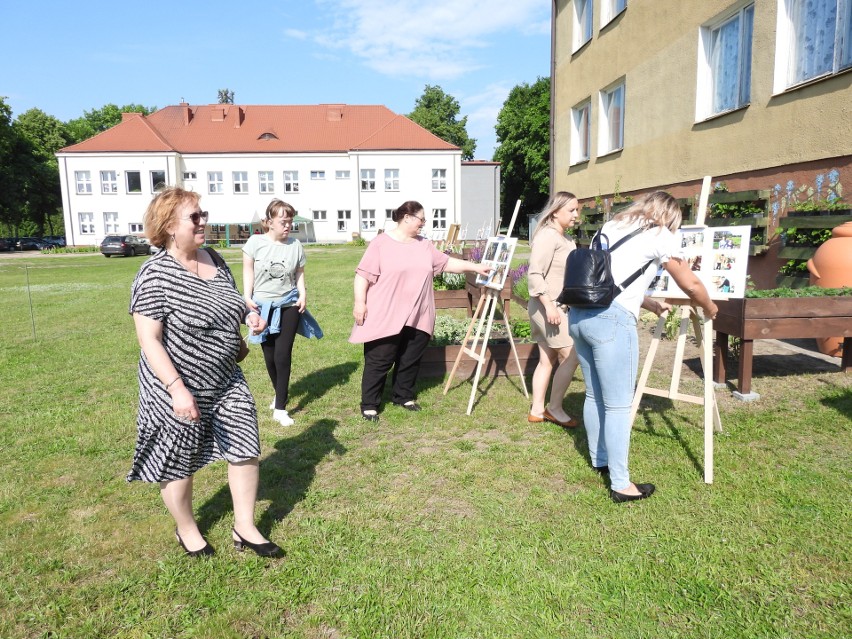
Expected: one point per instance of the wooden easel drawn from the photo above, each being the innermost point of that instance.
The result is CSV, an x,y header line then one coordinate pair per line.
x,y
489,300
703,333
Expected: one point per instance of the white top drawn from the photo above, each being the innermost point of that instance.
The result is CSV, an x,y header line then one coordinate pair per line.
x,y
275,265
657,244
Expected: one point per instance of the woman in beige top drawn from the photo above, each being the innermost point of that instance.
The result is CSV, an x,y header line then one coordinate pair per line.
x,y
548,321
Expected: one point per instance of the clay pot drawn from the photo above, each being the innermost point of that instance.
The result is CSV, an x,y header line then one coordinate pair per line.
x,y
831,267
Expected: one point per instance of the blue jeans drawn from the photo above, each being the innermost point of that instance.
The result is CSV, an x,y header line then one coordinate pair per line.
x,y
608,348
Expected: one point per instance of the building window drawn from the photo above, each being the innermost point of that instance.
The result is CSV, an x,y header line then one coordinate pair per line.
x,y
610,9
158,181
814,40
439,179
214,182
439,219
110,223
84,182
341,175
87,223
582,22
581,132
368,219
240,181
189,176
291,181
342,217
368,179
320,216
108,182
724,73
317,175
389,214
391,179
134,181
134,227
265,182
612,119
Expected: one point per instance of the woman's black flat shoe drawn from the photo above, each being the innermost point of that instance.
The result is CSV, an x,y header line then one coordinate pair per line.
x,y
412,406
201,552
266,549
645,491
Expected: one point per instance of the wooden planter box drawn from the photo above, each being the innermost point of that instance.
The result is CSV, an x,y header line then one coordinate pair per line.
x,y
438,361
778,318
454,299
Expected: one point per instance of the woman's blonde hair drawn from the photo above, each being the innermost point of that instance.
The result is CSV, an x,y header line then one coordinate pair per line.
x,y
162,212
547,215
654,209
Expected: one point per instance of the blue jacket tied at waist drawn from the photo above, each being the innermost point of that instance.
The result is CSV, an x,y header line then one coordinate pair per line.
x,y
308,326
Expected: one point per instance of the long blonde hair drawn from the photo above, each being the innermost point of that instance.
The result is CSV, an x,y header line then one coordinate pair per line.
x,y
654,209
547,215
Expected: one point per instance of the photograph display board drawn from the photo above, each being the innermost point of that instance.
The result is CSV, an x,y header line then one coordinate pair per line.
x,y
717,254
498,255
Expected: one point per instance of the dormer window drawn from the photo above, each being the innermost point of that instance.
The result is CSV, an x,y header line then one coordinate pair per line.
x,y
269,135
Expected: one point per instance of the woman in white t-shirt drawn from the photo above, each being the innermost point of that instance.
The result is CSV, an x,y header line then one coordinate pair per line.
x,y
274,280
606,339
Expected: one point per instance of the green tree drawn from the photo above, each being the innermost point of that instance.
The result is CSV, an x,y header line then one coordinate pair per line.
x,y
45,135
523,137
226,96
97,120
14,163
437,112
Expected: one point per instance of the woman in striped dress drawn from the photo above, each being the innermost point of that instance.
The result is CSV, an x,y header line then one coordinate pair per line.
x,y
194,404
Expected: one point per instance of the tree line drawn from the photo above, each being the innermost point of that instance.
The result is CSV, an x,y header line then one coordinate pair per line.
x,y
30,196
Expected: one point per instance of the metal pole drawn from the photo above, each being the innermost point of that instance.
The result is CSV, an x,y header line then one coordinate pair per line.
x,y
30,297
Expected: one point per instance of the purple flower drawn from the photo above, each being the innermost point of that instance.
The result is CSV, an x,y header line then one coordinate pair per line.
x,y
517,273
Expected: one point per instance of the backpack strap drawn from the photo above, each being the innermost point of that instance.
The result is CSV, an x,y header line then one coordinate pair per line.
x,y
217,259
638,271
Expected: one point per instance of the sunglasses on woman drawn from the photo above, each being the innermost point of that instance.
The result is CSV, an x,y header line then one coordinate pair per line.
x,y
197,216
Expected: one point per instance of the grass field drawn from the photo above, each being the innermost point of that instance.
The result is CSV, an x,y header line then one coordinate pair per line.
x,y
426,525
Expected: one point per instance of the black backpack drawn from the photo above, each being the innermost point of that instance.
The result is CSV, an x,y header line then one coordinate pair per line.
x,y
588,279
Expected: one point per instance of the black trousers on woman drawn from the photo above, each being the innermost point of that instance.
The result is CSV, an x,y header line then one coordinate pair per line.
x,y
403,352
278,352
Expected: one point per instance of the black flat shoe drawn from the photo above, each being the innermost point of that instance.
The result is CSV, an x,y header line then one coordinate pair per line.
x,y
201,552
370,417
411,405
603,470
645,491
266,549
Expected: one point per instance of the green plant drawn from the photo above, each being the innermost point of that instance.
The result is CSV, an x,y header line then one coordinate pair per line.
x,y
794,268
807,291
733,210
357,240
449,282
448,330
520,328
810,237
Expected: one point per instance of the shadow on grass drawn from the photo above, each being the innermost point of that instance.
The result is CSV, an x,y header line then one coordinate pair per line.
x,y
665,409
841,402
316,384
285,476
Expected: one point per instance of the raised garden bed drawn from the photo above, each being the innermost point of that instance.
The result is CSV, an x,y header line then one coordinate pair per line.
x,y
438,360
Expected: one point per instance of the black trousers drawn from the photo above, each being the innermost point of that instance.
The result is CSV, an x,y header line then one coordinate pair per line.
x,y
403,352
278,352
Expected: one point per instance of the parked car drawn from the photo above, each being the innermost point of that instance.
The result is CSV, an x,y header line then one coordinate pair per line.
x,y
5,245
32,244
126,245
56,240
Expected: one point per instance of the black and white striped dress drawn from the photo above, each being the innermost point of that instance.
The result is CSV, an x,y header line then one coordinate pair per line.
x,y
201,319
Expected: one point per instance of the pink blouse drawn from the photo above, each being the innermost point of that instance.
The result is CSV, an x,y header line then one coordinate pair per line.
x,y
400,287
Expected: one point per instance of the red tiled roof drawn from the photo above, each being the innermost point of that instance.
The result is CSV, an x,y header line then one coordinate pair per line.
x,y
230,128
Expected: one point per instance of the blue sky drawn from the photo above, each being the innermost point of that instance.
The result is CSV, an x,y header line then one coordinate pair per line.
x,y
65,57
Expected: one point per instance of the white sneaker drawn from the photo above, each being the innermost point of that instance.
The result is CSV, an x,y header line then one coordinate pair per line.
x,y
282,418
272,405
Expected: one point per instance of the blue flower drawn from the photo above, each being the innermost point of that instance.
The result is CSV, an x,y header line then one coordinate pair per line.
x,y
820,179
833,176
790,187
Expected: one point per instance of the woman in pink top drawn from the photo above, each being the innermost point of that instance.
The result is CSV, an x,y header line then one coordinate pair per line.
x,y
395,307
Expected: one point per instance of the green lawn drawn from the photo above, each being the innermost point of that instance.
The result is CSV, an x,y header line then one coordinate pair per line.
x,y
432,524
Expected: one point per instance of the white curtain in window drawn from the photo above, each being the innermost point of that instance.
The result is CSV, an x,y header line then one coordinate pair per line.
x,y
725,62
745,55
814,23
615,118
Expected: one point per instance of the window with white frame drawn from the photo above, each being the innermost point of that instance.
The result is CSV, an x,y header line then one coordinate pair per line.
x,y
215,183
319,216
189,176
109,184
110,223
439,179
610,9
134,181
581,132
134,227
439,219
391,179
317,175
240,181
389,214
342,218
87,223
291,181
814,39
724,67
158,181
341,175
265,182
611,134
368,179
582,22
368,219
84,182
